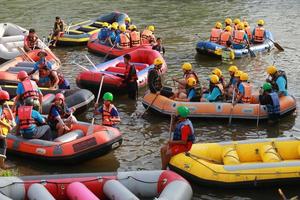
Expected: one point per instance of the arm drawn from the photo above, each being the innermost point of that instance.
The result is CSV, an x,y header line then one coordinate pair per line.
x,y
281,86
55,82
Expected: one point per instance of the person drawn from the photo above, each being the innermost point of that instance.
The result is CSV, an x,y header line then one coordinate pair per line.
x,y
236,21
116,24
232,81
216,32
31,124
130,78
215,91
112,34
187,73
219,73
244,92
60,117
58,30
110,115
271,99
159,47
52,79
154,76
278,80
127,22
148,35
190,94
135,36
103,33
31,41
41,63
183,136
225,36
240,38
27,89
123,39
228,22
259,33
248,30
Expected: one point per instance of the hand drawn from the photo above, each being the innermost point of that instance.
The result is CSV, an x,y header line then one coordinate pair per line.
x,y
66,128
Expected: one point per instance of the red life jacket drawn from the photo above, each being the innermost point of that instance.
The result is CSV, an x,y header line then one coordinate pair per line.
x,y
259,34
25,118
31,41
238,36
225,36
135,38
124,40
130,73
106,116
215,34
248,32
30,89
147,37
246,98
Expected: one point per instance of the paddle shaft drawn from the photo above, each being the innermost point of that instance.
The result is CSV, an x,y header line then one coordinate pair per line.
x,y
98,96
258,112
278,46
232,103
109,51
90,62
150,105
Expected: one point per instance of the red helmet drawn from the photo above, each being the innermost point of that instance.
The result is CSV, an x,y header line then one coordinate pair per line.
x,y
4,95
22,75
60,96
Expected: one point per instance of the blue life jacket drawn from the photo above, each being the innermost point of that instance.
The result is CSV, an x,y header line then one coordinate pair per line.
x,y
177,132
275,108
103,34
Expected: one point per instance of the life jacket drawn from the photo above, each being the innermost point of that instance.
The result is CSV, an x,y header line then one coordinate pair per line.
x,y
197,96
25,118
59,25
187,75
215,35
177,132
103,34
61,110
259,34
238,36
225,36
30,89
275,108
156,83
135,38
146,36
273,82
130,73
106,115
31,41
248,32
246,98
124,40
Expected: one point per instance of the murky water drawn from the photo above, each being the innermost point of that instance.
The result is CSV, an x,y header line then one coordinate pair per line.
x,y
176,22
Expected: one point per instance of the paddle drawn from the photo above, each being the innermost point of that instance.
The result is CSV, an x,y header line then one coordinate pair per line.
x,y
149,105
252,54
276,45
91,127
109,51
91,62
258,112
232,103
25,54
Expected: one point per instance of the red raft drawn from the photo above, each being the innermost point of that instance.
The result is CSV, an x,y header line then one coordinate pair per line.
x,y
9,69
113,71
96,47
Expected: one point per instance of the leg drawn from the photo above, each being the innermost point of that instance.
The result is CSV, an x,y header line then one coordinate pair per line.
x,y
2,152
165,156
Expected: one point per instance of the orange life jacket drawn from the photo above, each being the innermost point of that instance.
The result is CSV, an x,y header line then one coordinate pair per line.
x,y
215,34
246,98
259,34
225,36
31,41
135,38
30,89
124,40
147,37
248,32
25,118
106,116
238,36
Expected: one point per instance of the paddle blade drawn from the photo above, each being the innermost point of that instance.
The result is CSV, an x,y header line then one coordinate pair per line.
x,y
252,54
278,46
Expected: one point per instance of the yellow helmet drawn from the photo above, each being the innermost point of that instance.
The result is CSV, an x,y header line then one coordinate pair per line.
x,y
236,21
131,27
218,25
214,78
238,73
232,68
151,28
128,19
191,81
228,28
244,77
246,24
228,21
186,66
114,26
217,72
240,26
158,61
122,28
260,22
104,24
271,70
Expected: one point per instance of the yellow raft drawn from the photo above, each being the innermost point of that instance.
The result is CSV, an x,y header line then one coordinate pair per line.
x,y
255,162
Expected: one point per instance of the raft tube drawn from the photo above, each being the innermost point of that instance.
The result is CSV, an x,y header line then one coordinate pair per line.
x,y
248,163
166,106
78,34
113,72
209,48
160,185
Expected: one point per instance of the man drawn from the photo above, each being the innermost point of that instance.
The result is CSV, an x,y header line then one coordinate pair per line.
x,y
248,30
215,91
103,33
110,115
187,73
240,38
112,35
58,30
259,33
148,35
232,81
219,73
225,36
183,137
236,22
135,36
123,39
278,80
154,77
159,47
31,41
228,22
190,94
216,32
227,53
130,78
244,93
52,79
41,63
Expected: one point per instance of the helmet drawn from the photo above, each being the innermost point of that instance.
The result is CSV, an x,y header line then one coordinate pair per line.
x,y
236,21
186,66
131,27
151,28
59,96
22,75
108,96
271,70
244,77
4,95
122,28
240,26
217,72
214,78
218,25
191,82
238,73
183,111
228,21
232,68
228,28
114,26
267,86
42,52
246,24
128,19
104,24
260,22
158,61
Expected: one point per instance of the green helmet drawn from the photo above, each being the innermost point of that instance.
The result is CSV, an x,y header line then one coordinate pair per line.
x,y
267,86
108,96
183,111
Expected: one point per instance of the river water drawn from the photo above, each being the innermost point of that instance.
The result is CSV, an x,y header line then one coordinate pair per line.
x,y
176,22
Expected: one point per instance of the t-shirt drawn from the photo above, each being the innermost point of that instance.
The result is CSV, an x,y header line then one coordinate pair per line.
x,y
281,83
47,63
37,117
192,94
241,89
212,96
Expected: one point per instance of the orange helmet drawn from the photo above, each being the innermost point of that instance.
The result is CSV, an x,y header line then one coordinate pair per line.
x,y
59,96
22,75
4,95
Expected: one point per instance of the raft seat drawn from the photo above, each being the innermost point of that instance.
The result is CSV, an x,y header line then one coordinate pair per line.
x,y
15,70
269,154
68,137
230,156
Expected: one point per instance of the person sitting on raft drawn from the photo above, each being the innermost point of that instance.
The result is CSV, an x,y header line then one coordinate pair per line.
x,y
135,36
58,30
112,34
110,114
41,63
228,22
31,41
103,33
225,36
190,93
240,38
232,81
159,47
127,22
244,93
278,80
123,39
216,32
183,136
219,73
148,36
52,79
248,30
259,33
60,117
215,91
236,22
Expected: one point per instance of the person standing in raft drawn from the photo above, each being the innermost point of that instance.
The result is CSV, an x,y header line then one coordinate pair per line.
x,y
110,114
130,78
58,30
159,47
183,136
154,77
31,41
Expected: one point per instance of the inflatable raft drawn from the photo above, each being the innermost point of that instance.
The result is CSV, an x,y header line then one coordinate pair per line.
x,y
254,110
210,48
113,71
133,185
74,146
256,162
78,34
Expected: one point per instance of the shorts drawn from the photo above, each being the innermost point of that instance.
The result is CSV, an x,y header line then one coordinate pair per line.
x,y
176,149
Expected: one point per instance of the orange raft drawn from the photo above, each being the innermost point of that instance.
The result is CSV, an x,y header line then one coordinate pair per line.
x,y
76,145
9,69
168,106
